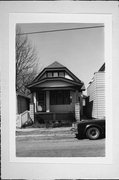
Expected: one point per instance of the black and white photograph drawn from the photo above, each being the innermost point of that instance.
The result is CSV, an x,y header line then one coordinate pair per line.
x,y
60,90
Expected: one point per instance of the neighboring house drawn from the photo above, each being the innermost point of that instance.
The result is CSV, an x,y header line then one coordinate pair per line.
x,y
56,95
96,95
23,102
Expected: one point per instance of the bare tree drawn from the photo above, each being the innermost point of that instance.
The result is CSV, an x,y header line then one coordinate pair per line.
x,y
26,62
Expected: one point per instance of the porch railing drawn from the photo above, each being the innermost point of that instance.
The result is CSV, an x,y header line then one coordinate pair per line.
x,y
22,119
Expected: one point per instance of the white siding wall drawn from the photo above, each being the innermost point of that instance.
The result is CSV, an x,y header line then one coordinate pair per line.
x,y
96,93
100,89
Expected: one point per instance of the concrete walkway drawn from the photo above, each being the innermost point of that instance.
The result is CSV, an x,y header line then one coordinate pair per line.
x,y
46,135
44,129
35,132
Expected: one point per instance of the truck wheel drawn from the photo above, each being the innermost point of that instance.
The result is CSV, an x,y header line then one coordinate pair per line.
x,y
93,133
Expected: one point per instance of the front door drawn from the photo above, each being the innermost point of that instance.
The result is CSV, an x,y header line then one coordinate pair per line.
x,y
41,99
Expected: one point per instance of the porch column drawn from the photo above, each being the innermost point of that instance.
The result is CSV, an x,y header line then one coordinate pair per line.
x,y
34,100
77,107
47,101
32,108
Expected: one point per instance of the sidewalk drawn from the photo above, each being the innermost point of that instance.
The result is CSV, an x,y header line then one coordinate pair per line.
x,y
44,129
62,131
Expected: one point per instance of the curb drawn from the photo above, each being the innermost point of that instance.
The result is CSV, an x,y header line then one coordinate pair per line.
x,y
43,135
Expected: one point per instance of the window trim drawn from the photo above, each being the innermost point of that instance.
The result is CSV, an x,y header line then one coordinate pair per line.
x,y
62,101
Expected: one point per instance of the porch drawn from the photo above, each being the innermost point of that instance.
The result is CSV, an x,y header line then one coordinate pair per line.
x,y
55,100
59,106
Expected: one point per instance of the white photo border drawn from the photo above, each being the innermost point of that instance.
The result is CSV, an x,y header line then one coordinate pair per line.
x,y
106,19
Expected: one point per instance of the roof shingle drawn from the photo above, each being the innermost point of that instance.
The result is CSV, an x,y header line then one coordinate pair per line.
x,y
55,65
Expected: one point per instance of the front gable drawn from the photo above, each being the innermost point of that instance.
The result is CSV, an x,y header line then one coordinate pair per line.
x,y
56,75
56,70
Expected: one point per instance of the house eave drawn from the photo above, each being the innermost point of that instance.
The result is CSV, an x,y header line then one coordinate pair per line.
x,y
55,79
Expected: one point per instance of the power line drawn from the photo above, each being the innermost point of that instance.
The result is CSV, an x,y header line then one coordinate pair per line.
x,y
56,30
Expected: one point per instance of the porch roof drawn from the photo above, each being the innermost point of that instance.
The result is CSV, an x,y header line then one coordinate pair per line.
x,y
70,83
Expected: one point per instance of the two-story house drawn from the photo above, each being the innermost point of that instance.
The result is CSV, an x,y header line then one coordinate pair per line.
x,y
96,95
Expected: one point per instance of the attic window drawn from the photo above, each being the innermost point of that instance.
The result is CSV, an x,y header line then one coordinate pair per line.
x,y
49,74
55,74
61,74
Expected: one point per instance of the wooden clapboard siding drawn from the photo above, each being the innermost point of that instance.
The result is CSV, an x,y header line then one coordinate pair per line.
x,y
100,88
96,93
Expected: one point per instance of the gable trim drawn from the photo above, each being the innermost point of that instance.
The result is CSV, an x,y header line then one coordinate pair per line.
x,y
61,68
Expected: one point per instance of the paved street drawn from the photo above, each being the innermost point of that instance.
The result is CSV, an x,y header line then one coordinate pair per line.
x,y
57,145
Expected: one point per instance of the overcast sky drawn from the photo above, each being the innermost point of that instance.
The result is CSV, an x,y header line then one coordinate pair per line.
x,y
81,51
